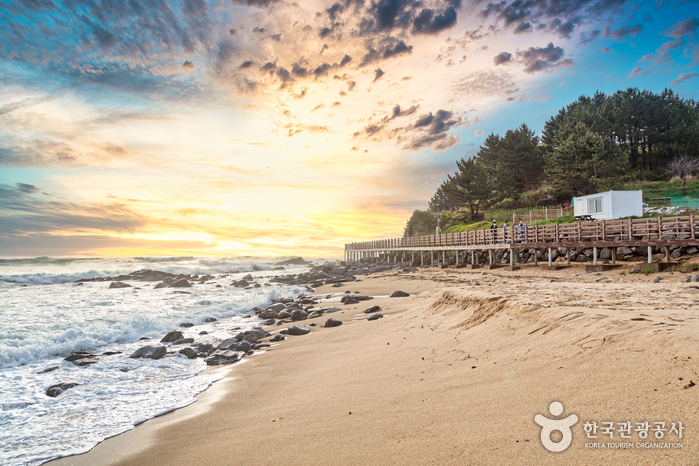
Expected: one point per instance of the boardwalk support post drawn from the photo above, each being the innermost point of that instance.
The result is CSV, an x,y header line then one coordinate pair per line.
x,y
594,256
431,258
536,256
550,258
512,257
422,259
473,256
444,257
490,256
667,253
613,255
568,255
650,255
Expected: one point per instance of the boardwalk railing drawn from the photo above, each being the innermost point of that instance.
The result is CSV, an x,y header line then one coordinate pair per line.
x,y
638,232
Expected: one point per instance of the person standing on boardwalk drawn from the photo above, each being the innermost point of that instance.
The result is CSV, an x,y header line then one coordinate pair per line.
x,y
493,232
522,231
504,232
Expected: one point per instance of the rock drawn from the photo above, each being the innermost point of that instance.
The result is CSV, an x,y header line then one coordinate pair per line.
x,y
605,254
262,345
111,353
676,254
657,279
54,390
375,316
350,301
399,294
86,361
183,341
240,284
337,285
182,283
186,324
150,352
276,307
160,285
76,355
692,250
298,330
277,337
696,278
189,352
223,357
298,314
635,270
284,314
172,336
688,280
623,251
119,285
256,268
211,319
372,309
48,369
203,332
269,321
292,261
332,323
234,345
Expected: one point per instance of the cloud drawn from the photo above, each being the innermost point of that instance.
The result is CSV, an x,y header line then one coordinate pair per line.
x,y
431,130
388,15
389,48
502,57
606,50
25,211
547,58
378,74
682,28
591,36
373,129
684,77
28,102
636,71
623,32
479,133
481,83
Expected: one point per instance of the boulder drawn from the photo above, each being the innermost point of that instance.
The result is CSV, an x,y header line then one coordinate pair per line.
x,y
119,285
76,355
292,261
172,336
298,330
350,301
399,294
189,352
298,314
332,323
182,283
150,352
257,268
54,390
240,284
160,285
186,324
277,338
48,369
183,341
635,270
623,251
375,316
372,309
284,314
86,361
220,357
248,277
210,319
692,250
338,285
605,254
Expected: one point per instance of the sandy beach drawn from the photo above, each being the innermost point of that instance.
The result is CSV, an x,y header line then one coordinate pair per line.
x,y
453,374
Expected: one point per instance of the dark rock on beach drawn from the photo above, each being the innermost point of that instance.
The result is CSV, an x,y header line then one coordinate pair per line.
x,y
375,316
183,341
350,301
298,330
332,323
182,283
54,390
76,355
186,324
292,261
277,337
48,369
172,336
223,357
372,309
399,294
119,285
150,352
160,285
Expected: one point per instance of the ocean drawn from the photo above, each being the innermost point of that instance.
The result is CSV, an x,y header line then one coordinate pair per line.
x,y
45,315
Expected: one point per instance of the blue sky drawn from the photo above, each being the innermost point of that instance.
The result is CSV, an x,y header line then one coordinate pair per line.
x,y
271,127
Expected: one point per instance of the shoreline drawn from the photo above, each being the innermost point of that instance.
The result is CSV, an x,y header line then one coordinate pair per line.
x,y
261,410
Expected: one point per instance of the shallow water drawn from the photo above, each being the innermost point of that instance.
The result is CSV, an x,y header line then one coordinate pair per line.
x,y
40,324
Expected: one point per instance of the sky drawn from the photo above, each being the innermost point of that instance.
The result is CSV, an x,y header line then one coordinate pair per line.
x,y
276,128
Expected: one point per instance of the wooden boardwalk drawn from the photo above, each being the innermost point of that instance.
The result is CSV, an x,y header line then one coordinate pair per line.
x,y
653,232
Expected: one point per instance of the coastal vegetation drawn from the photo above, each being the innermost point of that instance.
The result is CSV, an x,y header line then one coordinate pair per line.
x,y
631,139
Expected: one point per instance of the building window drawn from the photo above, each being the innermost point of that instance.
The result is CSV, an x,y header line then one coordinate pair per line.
x,y
594,206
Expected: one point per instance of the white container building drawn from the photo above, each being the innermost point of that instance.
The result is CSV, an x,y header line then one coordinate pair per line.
x,y
609,205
